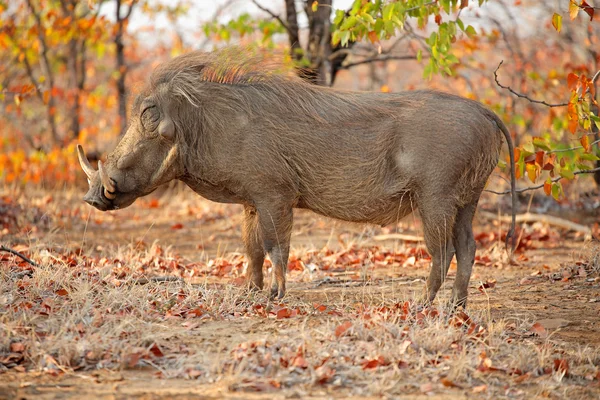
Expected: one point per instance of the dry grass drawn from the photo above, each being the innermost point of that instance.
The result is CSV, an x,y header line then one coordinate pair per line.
x,y
66,318
356,332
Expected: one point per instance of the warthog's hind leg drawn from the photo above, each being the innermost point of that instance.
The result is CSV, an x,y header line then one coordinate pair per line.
x,y
438,222
465,253
253,245
276,229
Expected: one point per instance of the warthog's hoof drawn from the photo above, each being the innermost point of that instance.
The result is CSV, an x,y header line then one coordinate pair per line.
x,y
277,293
254,283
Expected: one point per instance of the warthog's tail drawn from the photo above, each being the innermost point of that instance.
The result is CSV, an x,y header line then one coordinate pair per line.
x,y
511,154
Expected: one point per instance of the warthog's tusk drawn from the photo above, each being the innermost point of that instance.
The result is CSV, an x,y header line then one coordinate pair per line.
x,y
85,164
109,188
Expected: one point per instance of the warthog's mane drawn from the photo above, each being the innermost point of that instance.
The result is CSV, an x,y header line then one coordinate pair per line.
x,y
230,66
236,83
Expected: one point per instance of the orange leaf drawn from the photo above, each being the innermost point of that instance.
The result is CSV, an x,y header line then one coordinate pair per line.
x,y
561,365
438,19
284,313
539,158
373,36
587,8
17,347
340,330
585,142
572,80
573,123
62,292
177,226
299,362
548,187
539,330
448,383
464,3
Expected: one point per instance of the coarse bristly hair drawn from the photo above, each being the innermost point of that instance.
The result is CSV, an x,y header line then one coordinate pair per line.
x,y
249,131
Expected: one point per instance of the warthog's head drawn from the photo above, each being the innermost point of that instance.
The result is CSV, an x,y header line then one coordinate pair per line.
x,y
146,157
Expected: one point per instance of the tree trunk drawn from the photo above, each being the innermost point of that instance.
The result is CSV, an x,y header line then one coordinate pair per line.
x,y
292,28
76,69
47,71
120,65
318,48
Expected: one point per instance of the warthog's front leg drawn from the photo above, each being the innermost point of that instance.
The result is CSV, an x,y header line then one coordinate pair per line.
x,y
253,244
276,228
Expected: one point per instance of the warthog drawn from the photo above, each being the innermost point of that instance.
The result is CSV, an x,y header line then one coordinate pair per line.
x,y
238,132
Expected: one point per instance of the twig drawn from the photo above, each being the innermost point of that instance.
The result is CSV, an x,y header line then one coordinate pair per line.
x,y
558,178
375,59
16,253
272,14
571,148
549,219
522,95
144,281
419,7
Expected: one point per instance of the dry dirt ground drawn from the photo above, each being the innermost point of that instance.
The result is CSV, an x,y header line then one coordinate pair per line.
x,y
349,325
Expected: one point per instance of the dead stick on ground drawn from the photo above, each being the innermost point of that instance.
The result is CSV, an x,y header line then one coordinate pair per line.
x,y
144,281
549,219
399,236
16,253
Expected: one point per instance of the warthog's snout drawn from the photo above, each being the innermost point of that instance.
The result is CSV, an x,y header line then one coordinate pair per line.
x,y
102,188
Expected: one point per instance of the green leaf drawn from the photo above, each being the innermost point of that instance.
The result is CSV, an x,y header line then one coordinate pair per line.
x,y
339,16
583,167
541,143
568,174
388,11
348,23
335,38
556,190
589,157
470,31
460,24
419,55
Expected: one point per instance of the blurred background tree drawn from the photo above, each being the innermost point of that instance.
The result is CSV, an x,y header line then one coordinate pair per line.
x,y
68,67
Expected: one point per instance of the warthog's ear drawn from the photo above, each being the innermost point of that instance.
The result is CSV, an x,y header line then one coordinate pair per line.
x,y
166,129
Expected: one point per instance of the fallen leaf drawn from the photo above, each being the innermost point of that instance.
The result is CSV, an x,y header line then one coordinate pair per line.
x,y
299,362
479,389
155,349
17,347
177,226
341,329
539,330
284,313
448,383
561,365
402,348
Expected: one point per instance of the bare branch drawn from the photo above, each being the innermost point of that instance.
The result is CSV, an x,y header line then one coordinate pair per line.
x,y
572,148
558,178
16,253
381,58
522,95
272,14
419,7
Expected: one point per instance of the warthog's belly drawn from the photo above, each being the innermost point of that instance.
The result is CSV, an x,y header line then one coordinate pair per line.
x,y
378,211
